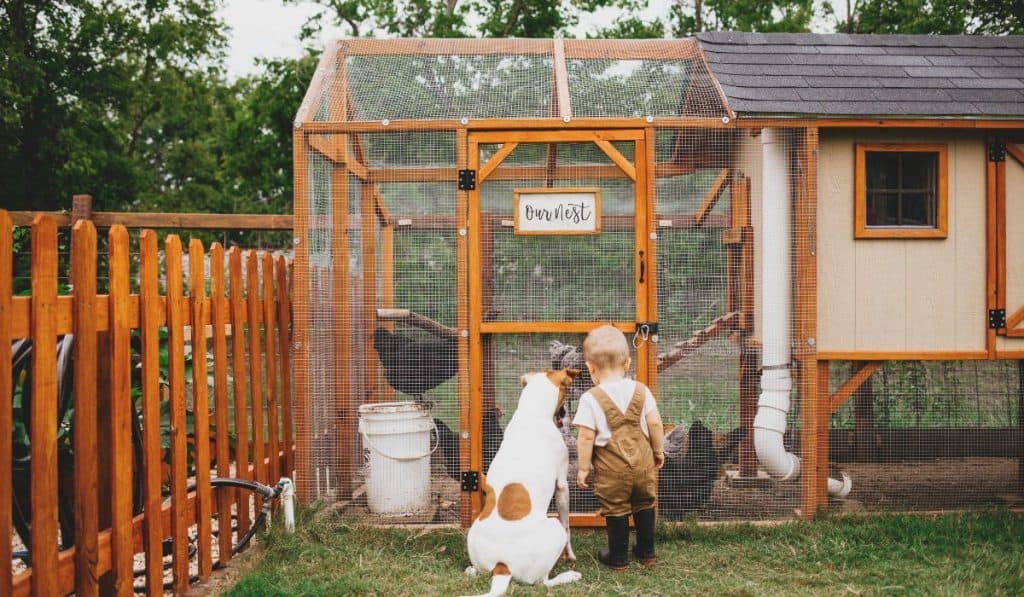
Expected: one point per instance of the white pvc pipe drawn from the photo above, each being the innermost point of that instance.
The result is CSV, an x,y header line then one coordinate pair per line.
x,y
288,503
776,301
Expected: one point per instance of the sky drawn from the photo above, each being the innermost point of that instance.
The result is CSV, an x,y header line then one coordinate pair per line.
x,y
270,29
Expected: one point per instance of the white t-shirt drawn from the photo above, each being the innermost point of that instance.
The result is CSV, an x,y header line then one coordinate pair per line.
x,y
590,414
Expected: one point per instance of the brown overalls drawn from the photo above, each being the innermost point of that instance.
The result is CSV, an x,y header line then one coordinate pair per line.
x,y
625,479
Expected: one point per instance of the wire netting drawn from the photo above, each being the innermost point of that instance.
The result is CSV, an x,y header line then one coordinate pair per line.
x,y
728,265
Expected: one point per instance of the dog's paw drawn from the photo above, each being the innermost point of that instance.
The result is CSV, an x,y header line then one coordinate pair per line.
x,y
567,554
572,575
470,571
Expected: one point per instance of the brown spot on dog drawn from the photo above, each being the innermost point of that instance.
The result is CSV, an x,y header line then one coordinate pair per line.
x,y
500,569
514,502
488,495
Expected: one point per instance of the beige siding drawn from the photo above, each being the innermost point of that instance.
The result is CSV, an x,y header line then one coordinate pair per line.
x,y
901,295
1014,247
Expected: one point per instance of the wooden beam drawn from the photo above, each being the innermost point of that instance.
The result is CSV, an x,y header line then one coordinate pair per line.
x,y
1016,152
505,172
712,196
516,124
443,47
867,368
561,98
631,49
616,157
1014,320
421,321
333,148
158,220
496,160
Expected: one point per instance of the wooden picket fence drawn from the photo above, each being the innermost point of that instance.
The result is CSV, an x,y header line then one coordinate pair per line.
x,y
254,403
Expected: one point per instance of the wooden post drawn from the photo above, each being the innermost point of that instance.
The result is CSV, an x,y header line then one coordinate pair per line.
x,y
253,316
814,467
201,403
344,420
150,323
83,267
6,389
179,441
486,249
43,431
81,208
369,253
238,320
462,298
387,286
284,348
300,302
271,363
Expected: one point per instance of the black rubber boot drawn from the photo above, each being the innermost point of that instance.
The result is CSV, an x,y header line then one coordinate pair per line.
x,y
616,555
644,549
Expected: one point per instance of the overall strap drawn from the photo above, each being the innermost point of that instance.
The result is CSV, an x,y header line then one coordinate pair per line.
x,y
636,403
615,417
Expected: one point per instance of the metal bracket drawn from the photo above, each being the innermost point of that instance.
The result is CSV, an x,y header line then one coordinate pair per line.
x,y
649,328
996,319
997,151
467,180
470,480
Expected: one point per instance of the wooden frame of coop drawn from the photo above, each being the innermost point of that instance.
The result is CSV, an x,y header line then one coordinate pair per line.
x,y
335,133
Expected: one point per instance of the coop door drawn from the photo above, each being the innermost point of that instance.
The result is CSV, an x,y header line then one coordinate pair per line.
x,y
558,237
1010,246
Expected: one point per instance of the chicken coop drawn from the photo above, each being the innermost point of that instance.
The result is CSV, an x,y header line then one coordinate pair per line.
x,y
807,283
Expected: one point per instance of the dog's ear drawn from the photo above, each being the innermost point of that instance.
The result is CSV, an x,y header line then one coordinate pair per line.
x,y
563,377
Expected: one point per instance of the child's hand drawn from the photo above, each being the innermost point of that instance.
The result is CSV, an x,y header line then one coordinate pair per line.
x,y
659,461
581,478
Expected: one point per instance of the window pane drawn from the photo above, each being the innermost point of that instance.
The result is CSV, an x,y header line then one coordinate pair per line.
x,y
918,171
918,209
882,170
883,209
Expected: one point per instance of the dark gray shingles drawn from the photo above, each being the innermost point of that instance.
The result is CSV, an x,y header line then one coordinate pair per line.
x,y
940,71
891,60
869,75
988,83
963,61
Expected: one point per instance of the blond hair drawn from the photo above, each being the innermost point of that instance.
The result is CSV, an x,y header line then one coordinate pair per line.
x,y
605,347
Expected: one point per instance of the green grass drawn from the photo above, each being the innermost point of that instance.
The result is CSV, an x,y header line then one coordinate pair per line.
x,y
954,554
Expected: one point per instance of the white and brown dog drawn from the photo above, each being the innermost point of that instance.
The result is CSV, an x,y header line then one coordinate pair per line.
x,y
513,537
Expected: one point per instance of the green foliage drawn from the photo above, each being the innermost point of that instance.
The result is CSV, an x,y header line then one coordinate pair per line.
x,y
997,17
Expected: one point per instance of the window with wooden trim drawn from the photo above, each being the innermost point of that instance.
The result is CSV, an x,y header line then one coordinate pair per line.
x,y
901,191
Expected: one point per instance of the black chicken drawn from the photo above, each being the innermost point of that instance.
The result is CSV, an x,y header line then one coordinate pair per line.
x,y
414,366
686,480
448,443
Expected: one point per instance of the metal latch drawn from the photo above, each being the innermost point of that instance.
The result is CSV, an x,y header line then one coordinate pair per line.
x,y
997,319
997,151
467,180
647,328
470,480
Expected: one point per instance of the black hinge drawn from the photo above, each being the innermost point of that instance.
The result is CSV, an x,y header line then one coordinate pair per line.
x,y
467,180
470,480
997,151
997,319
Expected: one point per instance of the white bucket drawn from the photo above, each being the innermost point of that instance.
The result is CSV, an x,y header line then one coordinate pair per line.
x,y
397,437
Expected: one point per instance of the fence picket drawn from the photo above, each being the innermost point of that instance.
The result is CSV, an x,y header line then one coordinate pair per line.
x,y
122,551
270,349
179,446
83,273
255,374
200,404
238,375
149,324
6,406
218,308
284,348
43,430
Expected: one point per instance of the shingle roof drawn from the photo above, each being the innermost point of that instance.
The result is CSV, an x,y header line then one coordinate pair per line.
x,y
868,75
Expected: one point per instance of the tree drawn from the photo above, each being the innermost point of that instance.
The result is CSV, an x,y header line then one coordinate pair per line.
x,y
101,97
993,17
401,18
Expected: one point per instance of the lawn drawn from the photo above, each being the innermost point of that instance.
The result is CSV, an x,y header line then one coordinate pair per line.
x,y
953,554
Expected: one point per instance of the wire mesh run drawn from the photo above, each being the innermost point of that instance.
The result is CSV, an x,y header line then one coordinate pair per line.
x,y
418,290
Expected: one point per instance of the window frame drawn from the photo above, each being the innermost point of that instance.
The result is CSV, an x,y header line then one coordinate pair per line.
x,y
941,228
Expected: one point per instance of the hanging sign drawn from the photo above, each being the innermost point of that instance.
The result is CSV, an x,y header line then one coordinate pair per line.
x,y
557,211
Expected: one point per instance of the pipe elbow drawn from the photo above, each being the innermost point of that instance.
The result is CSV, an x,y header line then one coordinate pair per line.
x,y
772,454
